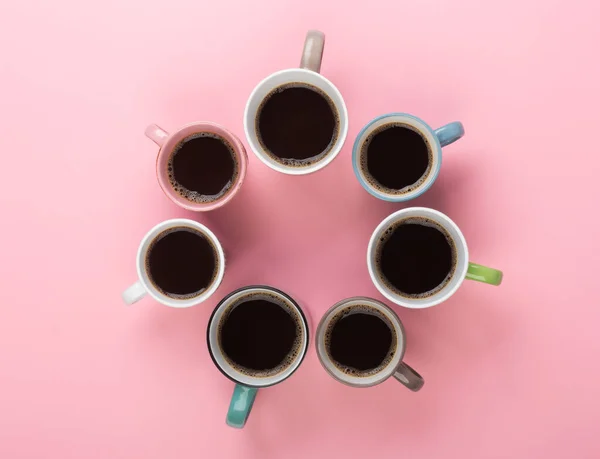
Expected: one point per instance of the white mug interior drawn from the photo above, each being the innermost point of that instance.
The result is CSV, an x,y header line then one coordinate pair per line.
x,y
145,278
422,128
353,380
462,258
226,367
293,76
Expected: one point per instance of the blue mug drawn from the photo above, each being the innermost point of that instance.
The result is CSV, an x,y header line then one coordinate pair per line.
x,y
386,182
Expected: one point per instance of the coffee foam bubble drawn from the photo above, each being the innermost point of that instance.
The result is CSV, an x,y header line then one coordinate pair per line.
x,y
194,196
166,232
414,221
297,345
291,162
360,309
363,159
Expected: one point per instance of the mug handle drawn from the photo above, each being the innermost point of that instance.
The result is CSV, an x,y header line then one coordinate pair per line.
x,y
409,377
484,274
312,54
156,134
240,405
450,133
134,293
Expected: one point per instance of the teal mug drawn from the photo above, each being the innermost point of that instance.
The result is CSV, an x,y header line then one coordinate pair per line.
x,y
257,337
397,157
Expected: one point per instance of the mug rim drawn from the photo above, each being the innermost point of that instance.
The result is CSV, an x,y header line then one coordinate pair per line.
x,y
144,277
343,115
268,288
424,128
180,134
389,370
461,244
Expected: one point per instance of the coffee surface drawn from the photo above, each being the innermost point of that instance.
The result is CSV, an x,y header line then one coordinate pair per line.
x,y
297,124
260,335
182,262
395,158
360,341
202,168
416,257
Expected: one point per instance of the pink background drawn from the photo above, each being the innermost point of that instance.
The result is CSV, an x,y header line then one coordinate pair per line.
x,y
511,372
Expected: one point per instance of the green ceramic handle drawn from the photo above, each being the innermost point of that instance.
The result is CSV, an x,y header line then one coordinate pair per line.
x,y
484,274
240,406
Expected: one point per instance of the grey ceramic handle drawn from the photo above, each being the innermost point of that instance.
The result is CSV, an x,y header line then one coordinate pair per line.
x,y
409,377
312,54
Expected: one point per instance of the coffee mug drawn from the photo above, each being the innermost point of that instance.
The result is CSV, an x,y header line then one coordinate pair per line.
x,y
361,343
200,166
397,157
257,337
180,263
296,120
417,258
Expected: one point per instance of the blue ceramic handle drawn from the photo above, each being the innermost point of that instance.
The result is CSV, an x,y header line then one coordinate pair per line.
x,y
450,133
240,406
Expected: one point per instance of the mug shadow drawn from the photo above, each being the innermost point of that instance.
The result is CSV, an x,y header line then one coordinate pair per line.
x,y
452,183
179,336
456,337
338,413
236,224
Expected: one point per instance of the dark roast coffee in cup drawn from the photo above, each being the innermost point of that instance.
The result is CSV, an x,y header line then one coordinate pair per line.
x,y
260,334
395,158
182,262
297,124
415,257
203,167
257,336
360,340
361,343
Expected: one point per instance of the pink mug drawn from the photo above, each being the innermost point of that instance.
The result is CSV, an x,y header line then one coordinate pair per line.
x,y
170,143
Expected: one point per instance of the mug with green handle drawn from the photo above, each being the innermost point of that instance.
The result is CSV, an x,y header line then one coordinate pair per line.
x,y
461,267
257,337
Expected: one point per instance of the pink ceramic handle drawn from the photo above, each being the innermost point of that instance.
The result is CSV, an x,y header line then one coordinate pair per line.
x,y
312,54
156,134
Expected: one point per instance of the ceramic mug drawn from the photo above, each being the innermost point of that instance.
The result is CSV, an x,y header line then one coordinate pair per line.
x,y
434,140
248,381
145,286
462,267
388,366
308,74
168,143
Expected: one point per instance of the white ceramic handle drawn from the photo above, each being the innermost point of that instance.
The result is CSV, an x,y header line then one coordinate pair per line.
x,y
134,293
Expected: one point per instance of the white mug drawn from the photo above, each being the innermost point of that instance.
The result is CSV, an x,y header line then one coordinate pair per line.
x,y
144,285
463,268
308,73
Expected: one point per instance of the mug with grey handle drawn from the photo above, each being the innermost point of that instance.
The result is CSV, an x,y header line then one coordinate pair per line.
x,y
295,119
361,343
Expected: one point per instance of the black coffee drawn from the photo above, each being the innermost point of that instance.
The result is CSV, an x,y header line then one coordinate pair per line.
x,y
203,167
360,340
260,335
297,124
395,158
182,262
416,257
